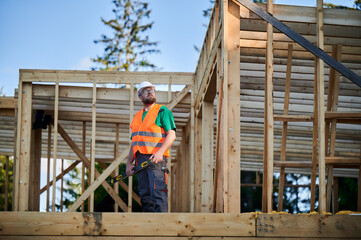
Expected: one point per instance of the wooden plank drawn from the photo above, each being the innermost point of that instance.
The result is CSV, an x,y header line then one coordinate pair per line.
x,y
267,190
232,173
127,224
207,156
25,148
116,171
293,118
92,154
83,169
16,179
119,77
35,167
314,141
335,208
284,127
198,166
321,111
130,179
55,143
192,149
305,14
48,169
308,226
317,51
62,185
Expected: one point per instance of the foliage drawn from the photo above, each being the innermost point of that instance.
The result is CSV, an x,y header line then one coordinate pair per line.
x,y
2,183
128,47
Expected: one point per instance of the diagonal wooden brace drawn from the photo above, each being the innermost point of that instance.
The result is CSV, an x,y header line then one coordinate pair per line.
x,y
100,178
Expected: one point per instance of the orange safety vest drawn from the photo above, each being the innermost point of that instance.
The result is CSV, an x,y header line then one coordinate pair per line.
x,y
147,137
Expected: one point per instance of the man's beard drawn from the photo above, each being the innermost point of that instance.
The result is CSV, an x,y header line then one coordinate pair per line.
x,y
149,100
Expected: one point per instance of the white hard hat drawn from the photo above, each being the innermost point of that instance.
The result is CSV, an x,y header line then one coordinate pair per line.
x,y
144,85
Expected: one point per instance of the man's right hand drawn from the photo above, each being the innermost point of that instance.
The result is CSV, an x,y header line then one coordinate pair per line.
x,y
129,169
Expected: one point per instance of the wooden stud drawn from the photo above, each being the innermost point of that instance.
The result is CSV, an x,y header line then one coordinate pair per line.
x,y
192,143
207,156
284,127
321,110
232,169
62,185
83,169
130,179
268,122
314,142
116,172
198,166
25,148
16,179
35,168
359,187
48,169
92,168
55,143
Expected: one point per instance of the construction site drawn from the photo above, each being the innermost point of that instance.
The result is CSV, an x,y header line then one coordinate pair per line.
x,y
277,89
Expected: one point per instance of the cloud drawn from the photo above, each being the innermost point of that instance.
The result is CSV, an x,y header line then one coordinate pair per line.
x,y
83,64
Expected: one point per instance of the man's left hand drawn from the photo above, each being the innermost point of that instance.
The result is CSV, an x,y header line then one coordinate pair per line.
x,y
157,157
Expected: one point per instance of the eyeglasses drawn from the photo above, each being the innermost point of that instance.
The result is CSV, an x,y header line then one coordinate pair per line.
x,y
148,91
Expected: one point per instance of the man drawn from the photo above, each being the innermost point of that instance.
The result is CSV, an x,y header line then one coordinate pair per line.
x,y
153,133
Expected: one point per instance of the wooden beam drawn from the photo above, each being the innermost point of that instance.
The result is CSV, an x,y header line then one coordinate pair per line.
x,y
284,127
62,186
83,169
119,77
198,165
48,169
131,115
232,169
108,225
207,156
92,154
25,148
268,121
321,111
179,97
192,142
35,168
55,143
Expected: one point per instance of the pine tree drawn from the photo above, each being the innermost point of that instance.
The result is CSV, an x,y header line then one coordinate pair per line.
x,y
129,46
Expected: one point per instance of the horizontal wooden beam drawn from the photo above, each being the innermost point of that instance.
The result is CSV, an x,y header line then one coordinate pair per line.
x,y
304,14
119,77
126,224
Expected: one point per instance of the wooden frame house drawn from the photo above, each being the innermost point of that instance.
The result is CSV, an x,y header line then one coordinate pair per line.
x,y
261,99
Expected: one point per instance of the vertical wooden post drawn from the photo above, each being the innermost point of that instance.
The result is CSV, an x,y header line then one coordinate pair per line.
x,y
62,185
268,121
116,171
48,170
198,166
218,170
35,168
207,156
25,147
130,180
231,107
16,179
332,103
192,152
284,127
6,184
314,141
92,169
83,164
321,111
55,144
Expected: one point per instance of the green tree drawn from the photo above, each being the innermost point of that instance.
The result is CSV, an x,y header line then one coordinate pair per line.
x,y
128,47
2,183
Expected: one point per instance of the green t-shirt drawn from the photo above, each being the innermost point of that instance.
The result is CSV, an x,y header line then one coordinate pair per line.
x,y
164,119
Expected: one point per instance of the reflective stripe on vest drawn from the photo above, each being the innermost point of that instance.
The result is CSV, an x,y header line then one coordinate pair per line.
x,y
147,137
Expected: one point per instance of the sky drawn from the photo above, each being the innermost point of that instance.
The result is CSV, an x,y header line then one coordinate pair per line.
x,y
59,34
